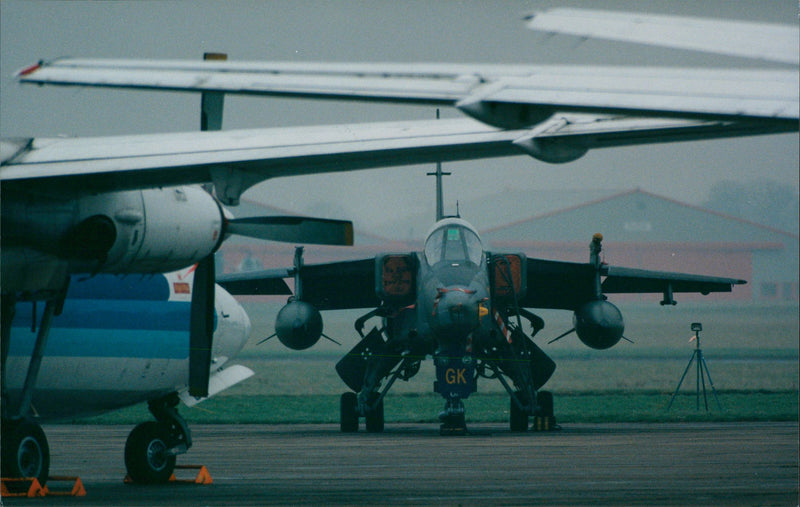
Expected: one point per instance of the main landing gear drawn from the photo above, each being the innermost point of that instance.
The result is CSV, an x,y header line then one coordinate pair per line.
x,y
351,411
363,370
152,446
25,451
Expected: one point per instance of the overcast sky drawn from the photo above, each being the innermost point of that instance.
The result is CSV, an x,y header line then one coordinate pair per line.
x,y
331,30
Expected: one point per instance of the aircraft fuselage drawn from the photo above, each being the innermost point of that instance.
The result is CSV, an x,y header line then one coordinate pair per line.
x,y
119,341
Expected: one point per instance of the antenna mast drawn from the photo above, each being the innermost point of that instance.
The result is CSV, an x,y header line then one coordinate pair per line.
x,y
439,192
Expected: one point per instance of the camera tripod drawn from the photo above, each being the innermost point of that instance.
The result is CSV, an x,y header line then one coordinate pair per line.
x,y
702,373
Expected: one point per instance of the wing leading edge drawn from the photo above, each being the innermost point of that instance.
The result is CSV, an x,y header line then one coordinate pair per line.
x,y
235,160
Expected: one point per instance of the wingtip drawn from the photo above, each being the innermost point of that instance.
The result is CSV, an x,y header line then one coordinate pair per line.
x,y
29,69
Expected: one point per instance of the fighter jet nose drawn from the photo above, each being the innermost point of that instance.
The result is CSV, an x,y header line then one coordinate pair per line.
x,y
456,313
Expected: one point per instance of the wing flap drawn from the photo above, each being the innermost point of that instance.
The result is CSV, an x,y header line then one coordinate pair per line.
x,y
586,131
684,93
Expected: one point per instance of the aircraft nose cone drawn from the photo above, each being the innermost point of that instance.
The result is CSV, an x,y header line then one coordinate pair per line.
x,y
456,314
232,327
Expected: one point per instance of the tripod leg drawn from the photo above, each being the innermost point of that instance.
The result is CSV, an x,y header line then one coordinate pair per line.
x,y
681,381
702,377
710,382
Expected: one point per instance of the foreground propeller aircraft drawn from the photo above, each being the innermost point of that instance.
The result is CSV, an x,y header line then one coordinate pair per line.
x,y
120,341
463,306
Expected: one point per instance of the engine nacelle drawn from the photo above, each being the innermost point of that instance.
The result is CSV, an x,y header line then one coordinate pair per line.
x,y
298,325
599,324
141,231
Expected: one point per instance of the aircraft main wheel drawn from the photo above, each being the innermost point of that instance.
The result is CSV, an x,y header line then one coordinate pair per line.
x,y
147,456
518,419
545,401
348,416
25,452
374,419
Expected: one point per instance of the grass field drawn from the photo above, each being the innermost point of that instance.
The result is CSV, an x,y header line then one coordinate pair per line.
x,y
751,353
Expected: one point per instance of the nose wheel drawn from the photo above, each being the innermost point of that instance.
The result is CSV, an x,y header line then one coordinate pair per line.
x,y
453,418
147,455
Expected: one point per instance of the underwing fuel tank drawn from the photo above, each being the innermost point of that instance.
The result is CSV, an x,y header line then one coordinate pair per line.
x,y
599,324
298,325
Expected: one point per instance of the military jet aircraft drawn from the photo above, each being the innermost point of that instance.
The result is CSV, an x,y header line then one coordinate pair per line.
x,y
463,306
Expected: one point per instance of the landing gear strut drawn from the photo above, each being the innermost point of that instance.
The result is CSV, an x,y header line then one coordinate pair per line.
x,y
152,446
25,452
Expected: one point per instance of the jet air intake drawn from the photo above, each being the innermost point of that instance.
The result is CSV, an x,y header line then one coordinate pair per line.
x,y
598,324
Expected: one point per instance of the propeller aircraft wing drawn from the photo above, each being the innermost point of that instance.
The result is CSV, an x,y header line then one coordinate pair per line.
x,y
565,110
235,160
764,41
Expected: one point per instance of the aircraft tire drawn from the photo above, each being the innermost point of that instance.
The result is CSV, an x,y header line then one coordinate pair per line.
x,y
545,401
348,416
518,419
374,419
25,452
146,456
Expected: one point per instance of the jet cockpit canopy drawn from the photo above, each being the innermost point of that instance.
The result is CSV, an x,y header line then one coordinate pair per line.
x,y
454,241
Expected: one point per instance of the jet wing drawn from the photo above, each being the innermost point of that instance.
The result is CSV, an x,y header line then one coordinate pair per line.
x,y
766,41
235,160
567,285
628,280
268,282
332,286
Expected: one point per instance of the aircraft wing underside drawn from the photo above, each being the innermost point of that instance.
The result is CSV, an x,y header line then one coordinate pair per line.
x,y
235,160
766,41
567,285
332,286
601,105
733,94
629,280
